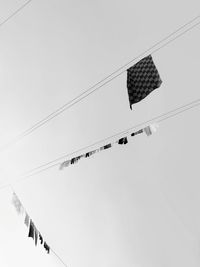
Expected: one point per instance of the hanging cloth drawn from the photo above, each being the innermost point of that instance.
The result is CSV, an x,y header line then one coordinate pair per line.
x,y
142,79
123,141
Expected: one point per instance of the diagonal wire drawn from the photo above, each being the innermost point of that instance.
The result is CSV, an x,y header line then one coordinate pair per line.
x,y
52,250
159,118
15,13
102,82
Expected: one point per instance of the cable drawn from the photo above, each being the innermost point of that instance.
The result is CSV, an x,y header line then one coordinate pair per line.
x,y
101,83
15,12
59,258
159,118
52,251
117,134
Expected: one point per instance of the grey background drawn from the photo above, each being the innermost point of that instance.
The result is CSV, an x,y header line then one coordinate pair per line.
x,y
136,205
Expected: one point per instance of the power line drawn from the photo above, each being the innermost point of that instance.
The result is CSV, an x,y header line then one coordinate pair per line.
x,y
59,258
52,250
15,13
160,118
102,82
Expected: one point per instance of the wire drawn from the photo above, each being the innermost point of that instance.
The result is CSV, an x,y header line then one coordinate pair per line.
x,y
52,251
59,258
101,83
159,118
15,13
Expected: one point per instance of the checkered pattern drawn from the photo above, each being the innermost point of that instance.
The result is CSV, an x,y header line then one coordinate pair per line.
x,y
142,79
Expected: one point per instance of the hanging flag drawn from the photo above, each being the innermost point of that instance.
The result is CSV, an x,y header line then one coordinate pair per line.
x,y
87,155
142,79
17,204
107,146
65,164
46,247
31,230
26,221
149,130
138,132
123,141
40,238
36,235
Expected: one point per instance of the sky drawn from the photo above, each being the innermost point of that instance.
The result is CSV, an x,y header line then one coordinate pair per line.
x,y
135,205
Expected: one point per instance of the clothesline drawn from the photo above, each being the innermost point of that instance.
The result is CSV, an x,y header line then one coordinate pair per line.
x,y
56,162
153,49
33,231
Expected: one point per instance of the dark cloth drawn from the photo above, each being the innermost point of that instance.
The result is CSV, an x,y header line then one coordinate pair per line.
x,y
123,141
107,146
72,160
75,160
142,79
46,247
31,230
36,236
40,238
138,132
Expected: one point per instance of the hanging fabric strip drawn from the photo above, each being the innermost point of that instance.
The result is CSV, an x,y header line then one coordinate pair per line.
x,y
36,236
122,141
149,130
138,132
47,247
41,239
17,204
31,230
26,221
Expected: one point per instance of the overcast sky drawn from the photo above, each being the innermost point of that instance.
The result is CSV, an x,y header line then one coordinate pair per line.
x,y
133,206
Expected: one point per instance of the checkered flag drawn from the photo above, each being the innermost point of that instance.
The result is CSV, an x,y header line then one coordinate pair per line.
x,y
142,79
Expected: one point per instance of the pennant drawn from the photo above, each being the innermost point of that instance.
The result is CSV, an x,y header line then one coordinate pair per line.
x,y
78,158
138,132
65,164
73,160
107,146
87,155
46,247
17,204
142,79
36,236
123,141
26,221
31,230
149,130
92,152
41,239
